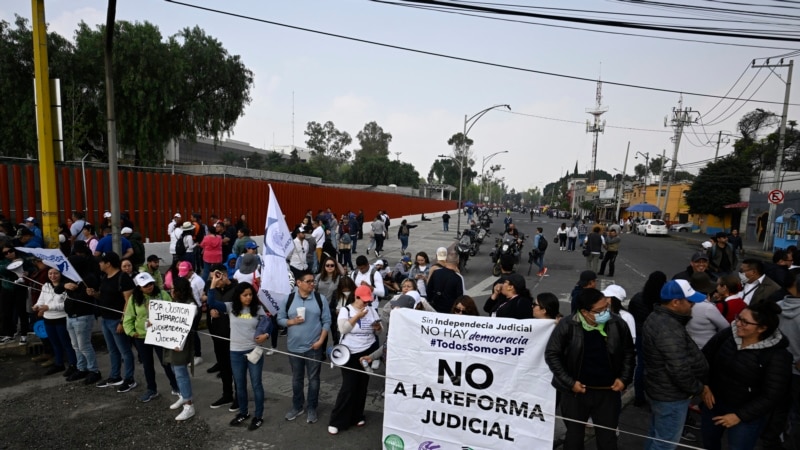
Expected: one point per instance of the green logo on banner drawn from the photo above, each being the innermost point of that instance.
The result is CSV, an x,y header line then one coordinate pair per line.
x,y
393,442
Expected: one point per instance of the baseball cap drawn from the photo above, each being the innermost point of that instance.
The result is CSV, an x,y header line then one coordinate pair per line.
x,y
379,262
698,256
677,289
441,254
250,244
126,230
701,282
153,258
707,244
406,259
616,291
364,293
177,215
31,219
143,279
106,215
184,268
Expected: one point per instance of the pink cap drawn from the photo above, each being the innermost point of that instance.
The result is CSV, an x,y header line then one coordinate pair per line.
x,y
184,268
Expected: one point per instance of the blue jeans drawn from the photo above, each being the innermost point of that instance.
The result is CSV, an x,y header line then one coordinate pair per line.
x,y
119,349
300,367
403,243
148,363
183,380
741,437
539,260
445,226
80,334
241,366
666,423
353,242
59,338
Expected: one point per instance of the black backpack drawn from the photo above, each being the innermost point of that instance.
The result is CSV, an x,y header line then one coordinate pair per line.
x,y
316,296
180,247
542,246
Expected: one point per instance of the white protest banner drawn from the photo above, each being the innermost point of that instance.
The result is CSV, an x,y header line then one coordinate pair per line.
x,y
274,271
52,257
170,323
457,382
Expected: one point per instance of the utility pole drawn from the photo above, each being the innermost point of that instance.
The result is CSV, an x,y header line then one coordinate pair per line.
x,y
113,173
397,155
646,169
776,180
661,178
719,140
596,127
680,117
621,187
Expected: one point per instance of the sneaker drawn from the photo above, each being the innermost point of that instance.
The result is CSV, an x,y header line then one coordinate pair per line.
x,y
198,360
312,416
255,423
361,423
23,340
688,436
293,414
544,272
147,396
234,406
221,402
178,403
71,370
213,369
187,413
269,351
78,375
48,362
55,368
109,382
377,255
92,378
126,386
283,332
333,430
239,419
175,392
41,358
6,339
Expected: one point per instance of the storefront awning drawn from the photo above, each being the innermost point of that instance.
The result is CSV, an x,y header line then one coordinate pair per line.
x,y
737,205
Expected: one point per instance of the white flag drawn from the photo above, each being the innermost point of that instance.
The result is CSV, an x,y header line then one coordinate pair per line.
x,y
52,257
274,271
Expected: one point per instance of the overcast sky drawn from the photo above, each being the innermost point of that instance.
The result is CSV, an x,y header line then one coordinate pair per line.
x,y
422,99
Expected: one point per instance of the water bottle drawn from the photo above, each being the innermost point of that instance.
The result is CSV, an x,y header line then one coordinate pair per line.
x,y
365,364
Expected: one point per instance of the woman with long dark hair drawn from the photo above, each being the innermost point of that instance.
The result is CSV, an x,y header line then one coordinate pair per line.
x,y
750,374
250,328
180,359
135,325
640,306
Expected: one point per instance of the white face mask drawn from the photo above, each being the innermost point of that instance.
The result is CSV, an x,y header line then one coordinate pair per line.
x,y
743,278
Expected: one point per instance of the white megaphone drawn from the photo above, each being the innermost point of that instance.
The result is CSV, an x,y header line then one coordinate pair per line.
x,y
16,268
340,354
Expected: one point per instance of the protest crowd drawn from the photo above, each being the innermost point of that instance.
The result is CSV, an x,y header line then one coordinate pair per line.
x,y
713,350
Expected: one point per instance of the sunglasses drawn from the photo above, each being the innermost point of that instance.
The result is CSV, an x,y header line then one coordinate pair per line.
x,y
329,265
460,310
8,252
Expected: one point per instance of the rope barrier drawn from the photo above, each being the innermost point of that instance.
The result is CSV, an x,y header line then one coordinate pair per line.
x,y
385,377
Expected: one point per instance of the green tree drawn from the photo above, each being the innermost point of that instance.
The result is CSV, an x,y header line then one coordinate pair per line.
x,y
718,184
373,140
326,140
370,169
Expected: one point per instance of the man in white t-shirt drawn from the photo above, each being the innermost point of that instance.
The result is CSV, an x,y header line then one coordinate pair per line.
x,y
361,276
298,258
319,236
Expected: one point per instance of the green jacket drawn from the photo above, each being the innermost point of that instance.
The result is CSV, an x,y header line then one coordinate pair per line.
x,y
135,319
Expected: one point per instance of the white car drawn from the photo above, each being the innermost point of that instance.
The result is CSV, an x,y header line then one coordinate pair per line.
x,y
652,226
681,227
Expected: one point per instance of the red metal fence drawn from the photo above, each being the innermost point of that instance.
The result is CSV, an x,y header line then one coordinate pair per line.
x,y
152,198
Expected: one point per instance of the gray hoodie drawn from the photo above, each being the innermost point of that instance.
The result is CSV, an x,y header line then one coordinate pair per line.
x,y
790,327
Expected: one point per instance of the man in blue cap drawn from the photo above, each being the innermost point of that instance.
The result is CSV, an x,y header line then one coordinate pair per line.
x,y
675,368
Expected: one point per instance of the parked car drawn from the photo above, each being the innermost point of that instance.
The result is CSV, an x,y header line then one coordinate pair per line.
x,y
681,227
652,226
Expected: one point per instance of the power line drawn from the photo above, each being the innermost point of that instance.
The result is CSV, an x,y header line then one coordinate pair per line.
x,y
579,122
458,58
717,122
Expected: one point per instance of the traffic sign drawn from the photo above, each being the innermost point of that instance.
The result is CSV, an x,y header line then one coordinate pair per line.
x,y
775,196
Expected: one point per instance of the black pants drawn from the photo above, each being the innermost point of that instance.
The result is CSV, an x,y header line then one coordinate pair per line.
x,y
610,259
602,405
13,304
379,243
349,407
222,351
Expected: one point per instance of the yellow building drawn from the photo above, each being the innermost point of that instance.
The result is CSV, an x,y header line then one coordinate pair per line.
x,y
676,210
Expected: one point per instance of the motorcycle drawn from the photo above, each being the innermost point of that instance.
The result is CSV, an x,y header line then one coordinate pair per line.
x,y
465,249
507,245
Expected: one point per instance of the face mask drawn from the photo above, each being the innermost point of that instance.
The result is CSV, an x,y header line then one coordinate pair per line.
x,y
346,293
603,317
742,278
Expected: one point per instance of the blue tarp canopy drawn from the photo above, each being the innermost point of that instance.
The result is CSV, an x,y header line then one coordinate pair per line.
x,y
643,207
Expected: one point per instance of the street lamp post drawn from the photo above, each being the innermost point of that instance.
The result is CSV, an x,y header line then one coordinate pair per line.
x,y
245,162
483,166
469,122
